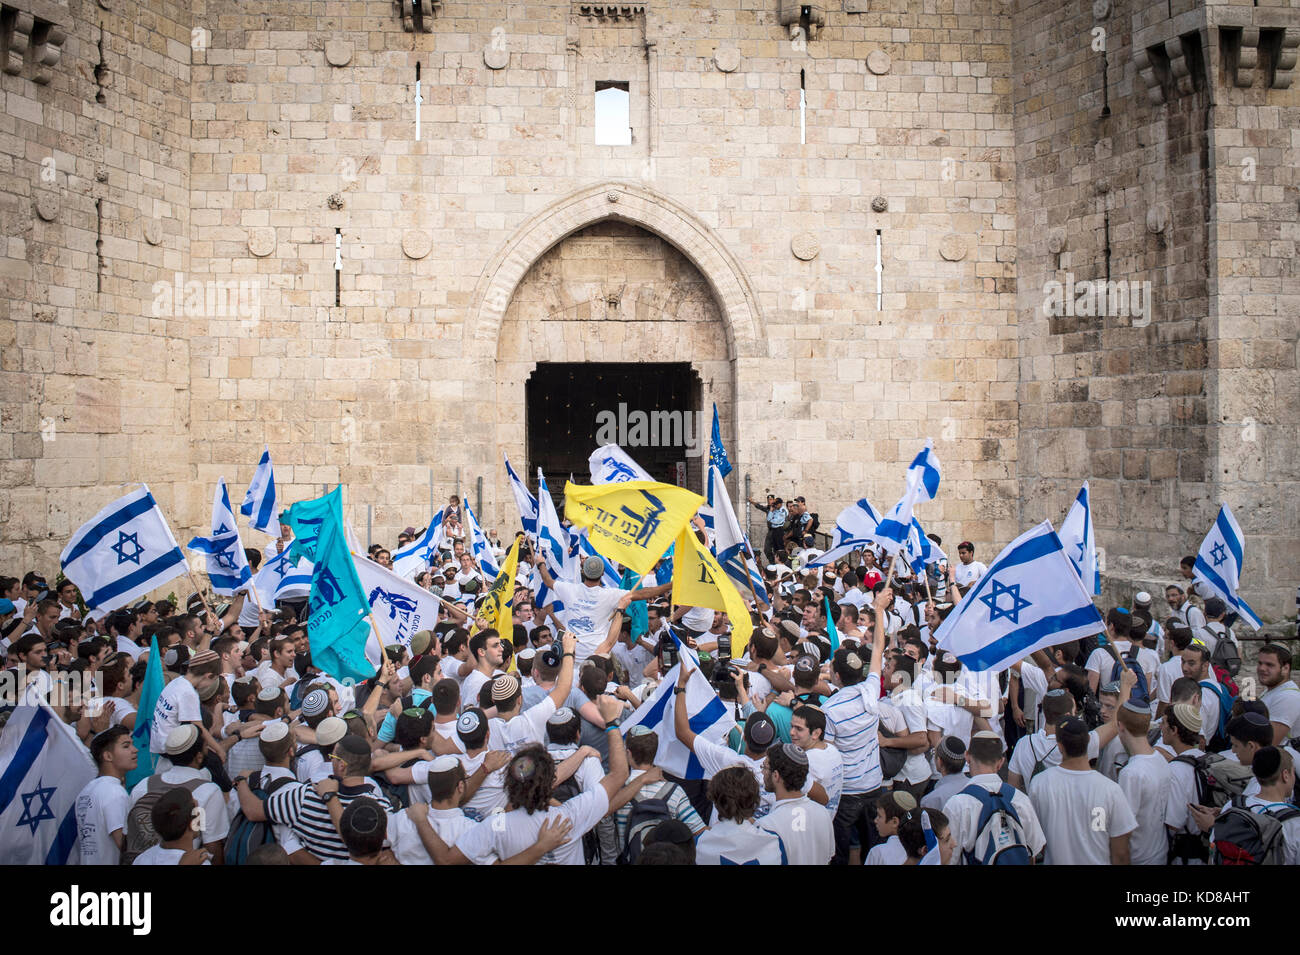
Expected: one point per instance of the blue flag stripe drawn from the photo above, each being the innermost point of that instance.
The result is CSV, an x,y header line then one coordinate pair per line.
x,y
115,520
1230,538
1014,643
1229,596
1030,550
32,743
65,839
123,584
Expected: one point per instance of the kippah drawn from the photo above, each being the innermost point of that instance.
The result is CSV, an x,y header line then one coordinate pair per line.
x,y
268,694
640,730
1188,716
170,657
760,730
853,661
1266,762
504,687
527,653
1135,707
420,642
1111,688
203,656
560,717
469,722
364,815
795,753
444,764
246,678
274,730
1072,726
354,744
314,703
987,734
806,664
953,747
904,800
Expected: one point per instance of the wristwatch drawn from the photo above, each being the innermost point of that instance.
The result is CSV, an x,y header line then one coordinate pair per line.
x,y
678,690
329,796
569,654
611,725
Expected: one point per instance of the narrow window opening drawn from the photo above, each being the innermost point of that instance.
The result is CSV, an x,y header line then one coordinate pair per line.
x,y
613,114
338,267
803,106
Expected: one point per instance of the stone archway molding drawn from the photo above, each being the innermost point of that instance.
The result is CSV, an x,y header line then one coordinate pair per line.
x,y
625,202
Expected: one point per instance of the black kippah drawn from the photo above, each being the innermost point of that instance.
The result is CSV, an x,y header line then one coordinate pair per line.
x,y
1267,762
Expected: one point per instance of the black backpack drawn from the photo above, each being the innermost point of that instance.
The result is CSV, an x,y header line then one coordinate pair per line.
x,y
1243,837
645,815
1040,762
1225,653
246,835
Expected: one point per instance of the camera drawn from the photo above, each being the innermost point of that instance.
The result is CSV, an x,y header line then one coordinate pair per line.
x,y
668,655
724,671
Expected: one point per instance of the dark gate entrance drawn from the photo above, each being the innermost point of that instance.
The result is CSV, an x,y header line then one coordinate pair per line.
x,y
650,409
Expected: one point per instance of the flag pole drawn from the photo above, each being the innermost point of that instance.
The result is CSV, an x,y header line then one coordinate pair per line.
x,y
194,583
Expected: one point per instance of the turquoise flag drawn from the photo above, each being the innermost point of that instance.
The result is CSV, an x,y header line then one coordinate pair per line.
x,y
831,632
338,627
149,693
637,608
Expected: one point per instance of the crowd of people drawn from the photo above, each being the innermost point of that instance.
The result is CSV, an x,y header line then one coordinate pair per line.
x,y
857,739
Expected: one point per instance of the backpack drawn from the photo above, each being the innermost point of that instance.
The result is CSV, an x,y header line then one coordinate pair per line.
x,y
1140,695
245,834
1226,657
1243,837
999,834
892,758
1218,741
140,834
1218,779
1040,763
645,815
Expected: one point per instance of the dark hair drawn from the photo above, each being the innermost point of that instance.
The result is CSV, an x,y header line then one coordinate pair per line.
x,y
1188,561
1072,734
1258,730
363,826
1282,653
268,707
985,750
564,733
530,777
478,643
454,641
734,794
102,743
427,665
912,835
641,749
1200,650
475,739
172,813
664,853
445,696
593,680
1183,689
1057,707
792,774
1121,620
813,718
443,785
412,726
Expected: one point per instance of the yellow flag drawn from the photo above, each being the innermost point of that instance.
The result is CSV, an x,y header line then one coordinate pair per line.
x,y
632,522
698,581
495,608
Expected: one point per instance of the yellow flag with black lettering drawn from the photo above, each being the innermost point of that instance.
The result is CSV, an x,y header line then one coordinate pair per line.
x,y
631,522
698,581
496,605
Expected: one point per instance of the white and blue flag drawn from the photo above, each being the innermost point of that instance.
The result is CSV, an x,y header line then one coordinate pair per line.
x,y
855,528
730,544
1080,542
43,768
580,548
479,545
228,569
418,555
1030,598
717,453
709,717
282,578
399,607
922,485
123,552
259,501
1219,563
552,538
921,551
610,464
524,500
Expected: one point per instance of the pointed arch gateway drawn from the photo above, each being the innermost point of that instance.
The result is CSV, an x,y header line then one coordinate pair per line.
x,y
533,326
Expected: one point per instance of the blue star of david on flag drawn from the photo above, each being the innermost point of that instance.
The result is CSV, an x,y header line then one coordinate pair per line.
x,y
1218,553
123,539
44,794
1018,603
1080,545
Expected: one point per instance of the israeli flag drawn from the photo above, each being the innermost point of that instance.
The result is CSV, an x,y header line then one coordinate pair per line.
x,y
282,577
1219,563
709,717
855,528
1030,598
1080,543
717,453
399,608
43,768
418,555
922,485
228,568
259,501
730,544
921,551
932,856
524,500
552,539
479,545
610,464
123,552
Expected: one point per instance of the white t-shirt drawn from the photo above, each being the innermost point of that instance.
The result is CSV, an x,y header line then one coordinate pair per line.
x,y
470,688
208,797
1102,663
1039,746
157,855
1182,790
449,668
1290,828
1145,781
507,834
727,842
1166,674
806,829
966,574
126,646
826,766
101,811
1080,811
889,852
587,613
1283,702
449,824
177,703
903,713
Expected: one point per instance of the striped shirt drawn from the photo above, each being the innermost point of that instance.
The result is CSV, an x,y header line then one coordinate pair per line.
x,y
678,805
300,807
852,724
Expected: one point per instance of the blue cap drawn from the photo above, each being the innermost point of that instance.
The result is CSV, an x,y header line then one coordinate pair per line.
x,y
6,606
